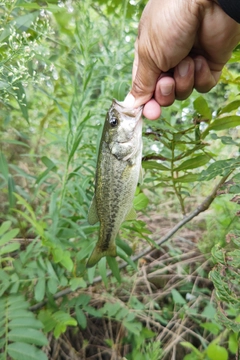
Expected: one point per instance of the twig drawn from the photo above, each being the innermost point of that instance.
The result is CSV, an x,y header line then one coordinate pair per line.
x,y
202,207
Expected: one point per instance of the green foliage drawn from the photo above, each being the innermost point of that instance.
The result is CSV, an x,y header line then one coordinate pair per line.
x,y
214,350
226,279
5,236
182,154
20,331
61,63
58,321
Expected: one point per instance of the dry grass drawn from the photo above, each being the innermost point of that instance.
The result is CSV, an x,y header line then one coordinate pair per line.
x,y
178,265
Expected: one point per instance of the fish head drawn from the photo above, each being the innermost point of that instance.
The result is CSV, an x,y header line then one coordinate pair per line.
x,y
121,123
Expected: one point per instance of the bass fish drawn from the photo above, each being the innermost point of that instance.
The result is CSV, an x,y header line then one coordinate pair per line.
x,y
117,174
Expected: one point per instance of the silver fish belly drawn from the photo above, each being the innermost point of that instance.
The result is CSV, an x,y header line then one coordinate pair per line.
x,y
118,169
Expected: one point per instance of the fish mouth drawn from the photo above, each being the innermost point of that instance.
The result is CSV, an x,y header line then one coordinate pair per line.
x,y
128,114
129,111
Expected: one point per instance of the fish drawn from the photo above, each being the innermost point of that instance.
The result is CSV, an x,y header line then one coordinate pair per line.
x,y
117,174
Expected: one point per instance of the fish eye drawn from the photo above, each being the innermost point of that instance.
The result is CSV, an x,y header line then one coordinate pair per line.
x,y
113,121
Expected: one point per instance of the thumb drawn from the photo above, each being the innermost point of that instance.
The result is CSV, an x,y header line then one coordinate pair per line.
x,y
144,76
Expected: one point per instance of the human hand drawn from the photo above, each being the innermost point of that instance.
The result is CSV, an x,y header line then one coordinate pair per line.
x,y
182,44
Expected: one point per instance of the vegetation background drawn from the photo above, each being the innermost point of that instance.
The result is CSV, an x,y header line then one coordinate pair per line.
x,y
61,63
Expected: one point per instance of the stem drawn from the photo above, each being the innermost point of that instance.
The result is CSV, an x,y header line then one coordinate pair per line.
x,y
174,185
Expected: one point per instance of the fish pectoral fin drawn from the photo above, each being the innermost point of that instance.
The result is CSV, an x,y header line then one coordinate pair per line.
x,y
92,213
97,254
132,215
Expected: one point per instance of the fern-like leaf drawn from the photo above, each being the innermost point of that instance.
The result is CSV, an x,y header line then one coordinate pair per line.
x,y
20,331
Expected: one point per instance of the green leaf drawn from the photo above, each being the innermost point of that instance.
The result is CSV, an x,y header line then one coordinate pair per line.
x,y
81,318
83,299
216,352
31,336
57,321
226,140
59,329
3,166
121,253
154,165
52,285
186,178
21,351
133,327
39,290
218,255
201,106
209,311
9,248
190,346
8,236
124,246
23,322
113,264
233,343
91,273
223,123
48,162
112,309
47,319
102,270
50,167
4,227
136,304
219,167
76,283
11,191
177,297
235,189
233,105
120,90
22,23
17,302
57,254
193,163
140,201
92,311
21,313
212,328
191,356
66,261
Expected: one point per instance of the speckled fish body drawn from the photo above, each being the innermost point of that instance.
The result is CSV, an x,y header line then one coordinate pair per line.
x,y
118,169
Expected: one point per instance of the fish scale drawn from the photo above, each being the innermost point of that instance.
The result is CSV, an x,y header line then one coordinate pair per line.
x,y
118,168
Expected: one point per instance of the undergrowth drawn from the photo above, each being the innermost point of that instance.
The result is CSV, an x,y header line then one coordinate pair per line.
x,y
61,65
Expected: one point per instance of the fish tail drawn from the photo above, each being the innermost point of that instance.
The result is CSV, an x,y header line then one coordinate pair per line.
x,y
97,254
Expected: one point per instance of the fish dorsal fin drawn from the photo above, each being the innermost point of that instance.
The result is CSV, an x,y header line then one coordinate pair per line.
x,y
92,213
132,215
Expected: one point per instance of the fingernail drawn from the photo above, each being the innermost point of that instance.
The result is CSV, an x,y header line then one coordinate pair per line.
x,y
198,64
166,89
183,68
